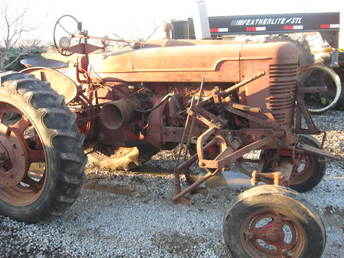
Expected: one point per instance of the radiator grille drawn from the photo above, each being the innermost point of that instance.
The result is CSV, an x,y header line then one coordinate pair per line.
x,y
282,90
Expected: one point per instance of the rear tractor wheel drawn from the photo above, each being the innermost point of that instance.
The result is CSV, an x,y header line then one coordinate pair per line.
x,y
273,221
41,152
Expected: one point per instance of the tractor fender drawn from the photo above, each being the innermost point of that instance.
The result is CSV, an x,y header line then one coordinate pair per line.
x,y
61,83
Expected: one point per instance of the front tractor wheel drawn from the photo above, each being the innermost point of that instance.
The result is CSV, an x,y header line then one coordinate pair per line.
x,y
41,153
308,168
273,221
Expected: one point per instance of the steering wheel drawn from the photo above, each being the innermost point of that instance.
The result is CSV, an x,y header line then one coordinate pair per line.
x,y
64,30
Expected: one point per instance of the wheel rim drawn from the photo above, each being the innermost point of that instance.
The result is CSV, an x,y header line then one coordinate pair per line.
x,y
302,170
321,77
270,234
20,152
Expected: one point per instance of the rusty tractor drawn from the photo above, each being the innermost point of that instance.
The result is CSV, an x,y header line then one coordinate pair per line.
x,y
216,99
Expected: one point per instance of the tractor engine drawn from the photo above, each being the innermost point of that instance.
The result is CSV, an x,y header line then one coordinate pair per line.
x,y
258,93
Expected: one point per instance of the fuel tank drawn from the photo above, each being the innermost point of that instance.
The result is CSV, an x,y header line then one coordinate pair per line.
x,y
191,63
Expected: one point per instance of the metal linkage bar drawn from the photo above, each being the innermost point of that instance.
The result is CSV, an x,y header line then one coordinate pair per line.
x,y
228,157
224,159
263,122
206,117
187,133
226,92
311,149
312,129
194,185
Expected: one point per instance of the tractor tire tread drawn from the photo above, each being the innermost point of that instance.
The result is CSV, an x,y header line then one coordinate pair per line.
x,y
58,123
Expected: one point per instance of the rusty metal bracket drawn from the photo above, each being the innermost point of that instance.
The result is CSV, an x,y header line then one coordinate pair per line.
x,y
247,108
228,156
309,148
275,178
222,161
323,140
206,117
312,128
203,143
187,133
263,122
194,185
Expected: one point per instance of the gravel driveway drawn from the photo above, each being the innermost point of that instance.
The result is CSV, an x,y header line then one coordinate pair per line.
x,y
130,214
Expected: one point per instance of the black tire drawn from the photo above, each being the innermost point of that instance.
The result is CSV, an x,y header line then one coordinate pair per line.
x,y
315,165
289,206
333,96
61,142
340,72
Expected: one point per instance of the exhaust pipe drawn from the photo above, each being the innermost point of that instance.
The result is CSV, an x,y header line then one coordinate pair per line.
x,y
117,113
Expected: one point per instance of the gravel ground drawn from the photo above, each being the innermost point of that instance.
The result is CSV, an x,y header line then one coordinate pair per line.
x,y
130,214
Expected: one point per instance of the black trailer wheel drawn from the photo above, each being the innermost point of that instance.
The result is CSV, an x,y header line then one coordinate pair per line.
x,y
307,172
41,150
273,221
322,77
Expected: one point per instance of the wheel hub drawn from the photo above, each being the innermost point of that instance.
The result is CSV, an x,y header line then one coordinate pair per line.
x,y
301,170
271,233
271,239
12,161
